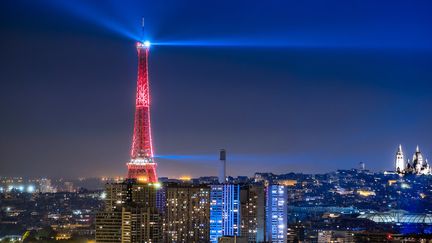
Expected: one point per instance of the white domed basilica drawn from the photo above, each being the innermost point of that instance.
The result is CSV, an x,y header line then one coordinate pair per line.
x,y
418,165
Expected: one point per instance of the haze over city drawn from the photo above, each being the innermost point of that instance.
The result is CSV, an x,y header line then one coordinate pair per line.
x,y
263,80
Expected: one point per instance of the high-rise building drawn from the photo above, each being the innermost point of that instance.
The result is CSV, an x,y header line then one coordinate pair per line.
x,y
253,199
109,226
141,224
276,214
130,212
187,213
116,195
224,211
142,165
144,195
216,212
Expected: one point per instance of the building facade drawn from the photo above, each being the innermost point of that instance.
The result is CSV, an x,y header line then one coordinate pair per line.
x,y
224,211
276,214
253,199
187,213
130,213
109,226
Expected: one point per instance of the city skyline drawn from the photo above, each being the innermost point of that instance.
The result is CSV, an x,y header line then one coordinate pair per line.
x,y
305,109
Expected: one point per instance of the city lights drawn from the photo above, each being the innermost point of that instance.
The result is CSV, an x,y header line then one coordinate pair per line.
x,y
30,189
303,95
185,178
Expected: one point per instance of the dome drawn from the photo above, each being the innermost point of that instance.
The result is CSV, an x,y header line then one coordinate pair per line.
x,y
417,155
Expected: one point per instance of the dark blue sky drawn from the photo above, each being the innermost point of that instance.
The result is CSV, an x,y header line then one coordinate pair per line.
x,y
283,85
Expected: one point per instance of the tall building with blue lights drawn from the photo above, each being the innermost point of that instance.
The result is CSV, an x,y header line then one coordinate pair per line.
x,y
276,214
224,211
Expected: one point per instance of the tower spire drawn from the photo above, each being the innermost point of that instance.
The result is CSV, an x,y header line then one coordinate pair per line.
x,y
400,160
142,28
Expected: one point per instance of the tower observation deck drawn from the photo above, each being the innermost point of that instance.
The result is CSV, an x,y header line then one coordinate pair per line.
x,y
142,165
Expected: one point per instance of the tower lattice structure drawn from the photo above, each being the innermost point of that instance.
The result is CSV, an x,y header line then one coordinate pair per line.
x,y
142,165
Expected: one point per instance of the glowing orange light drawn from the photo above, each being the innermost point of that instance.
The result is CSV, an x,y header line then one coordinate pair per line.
x,y
185,178
288,182
391,182
366,193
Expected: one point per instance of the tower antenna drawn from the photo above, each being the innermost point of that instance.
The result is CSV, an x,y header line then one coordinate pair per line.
x,y
142,29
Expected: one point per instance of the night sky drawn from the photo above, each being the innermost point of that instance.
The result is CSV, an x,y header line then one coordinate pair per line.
x,y
304,86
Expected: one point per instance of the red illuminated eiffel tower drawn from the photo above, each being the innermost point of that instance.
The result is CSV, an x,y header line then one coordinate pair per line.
x,y
142,165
